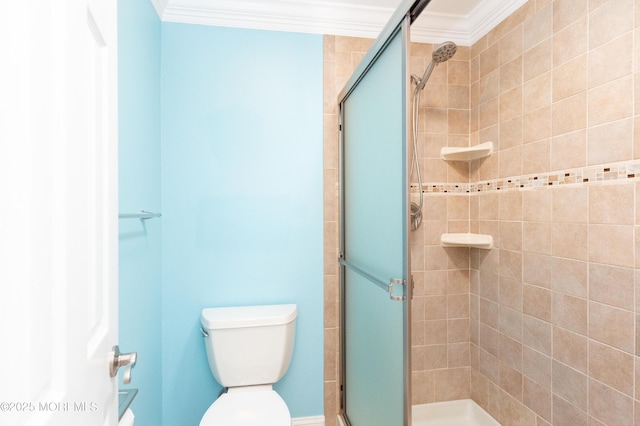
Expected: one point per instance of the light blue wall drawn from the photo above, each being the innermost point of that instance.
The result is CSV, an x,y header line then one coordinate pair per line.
x,y
241,199
139,188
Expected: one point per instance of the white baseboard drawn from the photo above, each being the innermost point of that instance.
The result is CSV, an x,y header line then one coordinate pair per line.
x,y
308,421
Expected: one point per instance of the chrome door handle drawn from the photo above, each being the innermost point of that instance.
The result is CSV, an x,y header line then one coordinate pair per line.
x,y
122,360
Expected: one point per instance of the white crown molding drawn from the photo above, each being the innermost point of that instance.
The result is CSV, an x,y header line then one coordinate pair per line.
x,y
159,6
488,14
316,17
329,17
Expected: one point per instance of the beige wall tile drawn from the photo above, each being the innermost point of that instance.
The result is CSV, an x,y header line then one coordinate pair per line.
x,y
435,332
570,312
458,121
423,387
435,357
570,205
510,264
538,27
612,326
612,204
458,355
489,340
510,352
511,381
570,78
458,71
537,237
512,412
569,114
434,96
537,125
611,285
536,157
570,385
458,306
458,97
489,60
569,150
609,406
510,205
611,61
536,366
566,12
537,398
458,330
511,75
611,244
570,42
611,101
511,133
571,349
511,235
570,240
611,366
537,334
565,413
511,45
511,104
510,161
538,60
489,113
510,297
611,20
435,307
489,313
452,384
610,142
537,92
537,269
537,302
537,205
569,276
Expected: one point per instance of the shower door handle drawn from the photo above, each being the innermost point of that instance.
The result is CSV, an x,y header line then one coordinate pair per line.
x,y
118,360
387,286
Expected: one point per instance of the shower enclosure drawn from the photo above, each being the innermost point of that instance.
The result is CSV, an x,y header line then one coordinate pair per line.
x,y
374,231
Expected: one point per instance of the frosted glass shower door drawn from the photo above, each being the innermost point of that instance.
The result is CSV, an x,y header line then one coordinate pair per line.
x,y
374,242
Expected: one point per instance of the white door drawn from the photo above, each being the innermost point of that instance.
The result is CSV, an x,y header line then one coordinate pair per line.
x,y
58,212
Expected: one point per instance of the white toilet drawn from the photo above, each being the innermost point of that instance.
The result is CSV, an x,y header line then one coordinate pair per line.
x,y
249,348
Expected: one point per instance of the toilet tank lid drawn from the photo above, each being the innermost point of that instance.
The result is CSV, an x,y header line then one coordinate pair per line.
x,y
248,316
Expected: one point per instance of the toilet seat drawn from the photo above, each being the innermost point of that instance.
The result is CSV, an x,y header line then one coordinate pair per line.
x,y
248,406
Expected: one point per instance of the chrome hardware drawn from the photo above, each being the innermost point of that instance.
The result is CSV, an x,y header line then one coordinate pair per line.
x,y
122,360
204,332
391,283
387,286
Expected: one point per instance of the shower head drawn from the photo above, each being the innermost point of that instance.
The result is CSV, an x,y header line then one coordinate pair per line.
x,y
444,52
440,54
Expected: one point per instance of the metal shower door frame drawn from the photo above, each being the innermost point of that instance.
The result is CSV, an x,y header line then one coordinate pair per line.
x,y
401,21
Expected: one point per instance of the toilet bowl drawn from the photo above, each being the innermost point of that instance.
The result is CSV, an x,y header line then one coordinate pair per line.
x,y
249,348
246,406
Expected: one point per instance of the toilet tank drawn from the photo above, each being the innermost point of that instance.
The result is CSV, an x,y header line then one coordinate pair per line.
x,y
249,345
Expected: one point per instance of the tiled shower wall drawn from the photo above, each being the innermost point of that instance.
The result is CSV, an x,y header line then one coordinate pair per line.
x,y
549,332
553,311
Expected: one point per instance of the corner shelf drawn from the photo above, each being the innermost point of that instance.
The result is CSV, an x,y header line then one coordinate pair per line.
x,y
467,154
481,241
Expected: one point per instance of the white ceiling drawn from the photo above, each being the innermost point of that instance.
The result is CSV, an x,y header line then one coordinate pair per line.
x,y
461,21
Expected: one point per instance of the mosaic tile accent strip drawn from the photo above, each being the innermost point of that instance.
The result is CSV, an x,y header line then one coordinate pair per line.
x,y
601,173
